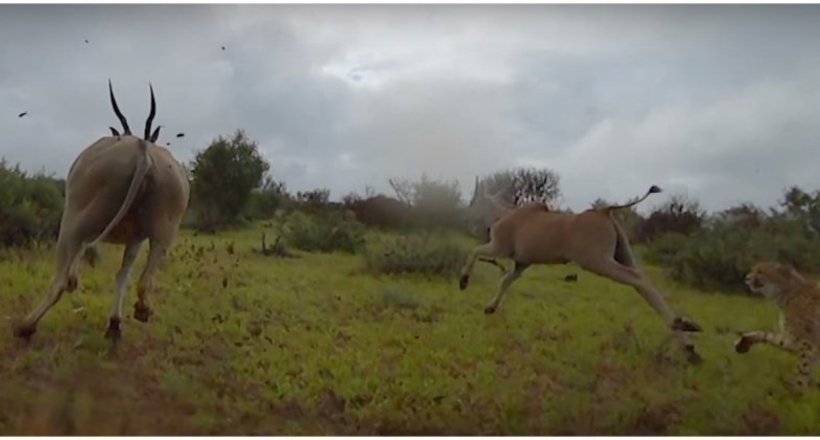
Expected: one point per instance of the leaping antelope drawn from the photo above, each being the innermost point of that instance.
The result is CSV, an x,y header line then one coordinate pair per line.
x,y
533,234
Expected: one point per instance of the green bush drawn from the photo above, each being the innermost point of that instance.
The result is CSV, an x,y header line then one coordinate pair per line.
x,y
331,231
30,207
223,177
429,254
719,256
266,200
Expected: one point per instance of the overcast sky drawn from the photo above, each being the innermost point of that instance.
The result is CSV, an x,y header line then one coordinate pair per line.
x,y
718,102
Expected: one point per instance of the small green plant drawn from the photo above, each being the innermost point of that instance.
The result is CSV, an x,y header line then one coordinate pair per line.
x,y
430,254
277,249
397,298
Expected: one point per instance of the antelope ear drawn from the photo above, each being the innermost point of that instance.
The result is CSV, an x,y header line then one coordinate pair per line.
x,y
155,135
114,131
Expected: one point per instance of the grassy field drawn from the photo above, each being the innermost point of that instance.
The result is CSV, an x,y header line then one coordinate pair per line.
x,y
241,343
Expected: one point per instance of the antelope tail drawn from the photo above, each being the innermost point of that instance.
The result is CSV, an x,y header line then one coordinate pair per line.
x,y
145,164
652,190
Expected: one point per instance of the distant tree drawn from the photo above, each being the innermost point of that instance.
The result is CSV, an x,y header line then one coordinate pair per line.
x,y
224,174
743,215
437,203
404,190
314,200
379,211
523,185
803,206
679,214
265,200
433,202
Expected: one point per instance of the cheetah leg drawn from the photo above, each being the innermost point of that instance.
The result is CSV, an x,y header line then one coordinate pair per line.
x,y
807,356
779,340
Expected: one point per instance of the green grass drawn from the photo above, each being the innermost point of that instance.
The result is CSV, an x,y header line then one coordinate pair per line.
x,y
316,345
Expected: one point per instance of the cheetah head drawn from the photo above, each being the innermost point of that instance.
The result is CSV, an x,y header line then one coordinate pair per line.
x,y
770,279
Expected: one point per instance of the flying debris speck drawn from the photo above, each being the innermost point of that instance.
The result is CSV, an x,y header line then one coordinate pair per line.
x,y
86,41
168,143
179,135
22,114
223,47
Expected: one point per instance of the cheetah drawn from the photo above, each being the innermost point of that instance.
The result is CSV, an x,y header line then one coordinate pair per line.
x,y
799,302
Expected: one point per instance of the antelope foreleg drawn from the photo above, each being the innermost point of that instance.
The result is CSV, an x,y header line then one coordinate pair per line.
x,y
495,263
142,309
484,250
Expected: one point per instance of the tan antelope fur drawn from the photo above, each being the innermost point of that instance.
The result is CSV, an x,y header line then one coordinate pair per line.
x,y
486,210
532,234
123,190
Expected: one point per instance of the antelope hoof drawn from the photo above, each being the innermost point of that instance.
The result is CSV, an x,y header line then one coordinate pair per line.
x,y
743,344
489,310
142,312
113,332
24,331
462,283
692,355
685,325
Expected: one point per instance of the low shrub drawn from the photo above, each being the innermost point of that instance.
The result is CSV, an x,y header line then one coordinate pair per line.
x,y
429,254
719,256
329,232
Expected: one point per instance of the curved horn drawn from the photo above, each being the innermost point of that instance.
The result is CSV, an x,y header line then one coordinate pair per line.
x,y
114,131
151,114
117,110
475,192
155,135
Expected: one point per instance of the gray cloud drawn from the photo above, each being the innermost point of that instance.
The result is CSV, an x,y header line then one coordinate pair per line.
x,y
719,102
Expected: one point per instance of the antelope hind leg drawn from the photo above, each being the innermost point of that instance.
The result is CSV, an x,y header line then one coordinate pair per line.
x,y
631,276
142,308
129,255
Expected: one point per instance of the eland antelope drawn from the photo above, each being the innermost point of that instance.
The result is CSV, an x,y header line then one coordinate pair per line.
x,y
122,189
534,234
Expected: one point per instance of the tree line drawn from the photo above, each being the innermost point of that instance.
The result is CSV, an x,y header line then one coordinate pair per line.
x,y
231,185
